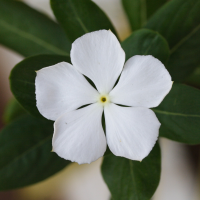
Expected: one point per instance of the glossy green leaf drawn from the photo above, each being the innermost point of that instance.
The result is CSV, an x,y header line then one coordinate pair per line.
x,y
78,17
12,111
179,114
138,11
179,22
25,152
30,32
131,180
146,42
22,79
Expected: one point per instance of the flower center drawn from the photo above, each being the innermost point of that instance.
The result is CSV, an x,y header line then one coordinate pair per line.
x,y
103,99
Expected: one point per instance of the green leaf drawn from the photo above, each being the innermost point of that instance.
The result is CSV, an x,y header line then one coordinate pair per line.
x,y
13,110
25,151
146,42
194,78
30,32
131,180
179,114
138,11
179,22
153,5
78,17
22,79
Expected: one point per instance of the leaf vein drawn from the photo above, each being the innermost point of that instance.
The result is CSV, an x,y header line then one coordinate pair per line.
x,y
33,38
173,49
185,39
174,114
78,18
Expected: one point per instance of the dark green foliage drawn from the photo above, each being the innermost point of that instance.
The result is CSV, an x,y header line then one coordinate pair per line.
x,y
78,17
13,110
146,42
30,32
179,22
179,114
130,180
25,152
139,11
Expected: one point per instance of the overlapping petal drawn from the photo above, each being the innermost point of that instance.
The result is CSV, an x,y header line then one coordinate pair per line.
x,y
144,82
131,132
99,56
78,135
61,88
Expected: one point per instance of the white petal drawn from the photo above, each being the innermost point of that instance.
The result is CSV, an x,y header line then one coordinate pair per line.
x,y
99,56
61,88
78,135
131,132
144,82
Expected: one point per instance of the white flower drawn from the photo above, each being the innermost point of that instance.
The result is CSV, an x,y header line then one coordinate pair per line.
x,y
131,132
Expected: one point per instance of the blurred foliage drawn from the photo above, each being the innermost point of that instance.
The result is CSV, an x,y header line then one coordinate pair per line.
x,y
138,12
194,78
12,111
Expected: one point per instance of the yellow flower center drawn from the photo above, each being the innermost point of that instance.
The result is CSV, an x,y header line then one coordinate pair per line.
x,y
104,99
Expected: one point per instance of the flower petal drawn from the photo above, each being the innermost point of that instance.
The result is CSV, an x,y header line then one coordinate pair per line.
x,y
144,82
61,88
78,135
131,132
99,56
